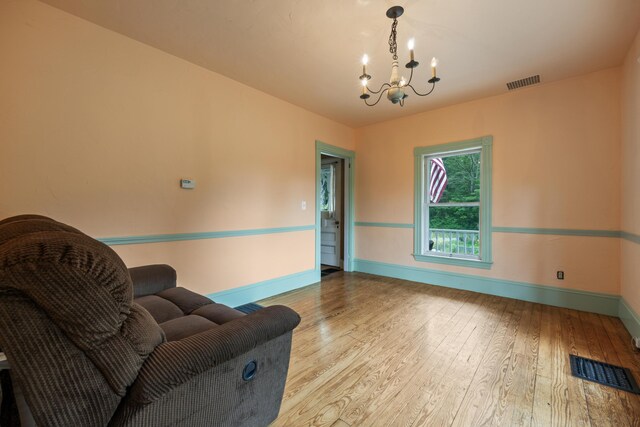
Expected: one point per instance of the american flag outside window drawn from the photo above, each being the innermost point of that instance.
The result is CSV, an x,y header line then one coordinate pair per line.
x,y
437,180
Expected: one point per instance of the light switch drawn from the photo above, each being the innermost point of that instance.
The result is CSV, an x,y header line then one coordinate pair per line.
x,y
303,205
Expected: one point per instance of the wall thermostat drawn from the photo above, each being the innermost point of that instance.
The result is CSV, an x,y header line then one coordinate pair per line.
x,y
187,183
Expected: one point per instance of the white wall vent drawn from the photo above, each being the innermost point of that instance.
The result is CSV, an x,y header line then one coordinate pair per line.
x,y
528,81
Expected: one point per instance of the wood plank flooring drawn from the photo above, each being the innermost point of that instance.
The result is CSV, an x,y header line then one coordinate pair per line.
x,y
375,351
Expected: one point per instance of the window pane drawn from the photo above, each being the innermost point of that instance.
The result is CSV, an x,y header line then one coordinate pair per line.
x,y
454,230
327,188
454,179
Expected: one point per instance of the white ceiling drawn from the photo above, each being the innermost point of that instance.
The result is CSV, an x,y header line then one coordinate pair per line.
x,y
308,52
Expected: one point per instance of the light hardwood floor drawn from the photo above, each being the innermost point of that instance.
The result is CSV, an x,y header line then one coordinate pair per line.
x,y
385,352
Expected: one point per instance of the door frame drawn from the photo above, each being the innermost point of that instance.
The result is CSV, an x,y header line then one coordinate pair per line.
x,y
338,192
349,208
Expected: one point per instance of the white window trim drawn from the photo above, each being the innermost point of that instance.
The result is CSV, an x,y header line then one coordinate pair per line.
x,y
485,145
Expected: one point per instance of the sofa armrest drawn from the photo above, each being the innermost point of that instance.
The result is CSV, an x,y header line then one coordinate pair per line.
x,y
174,363
151,279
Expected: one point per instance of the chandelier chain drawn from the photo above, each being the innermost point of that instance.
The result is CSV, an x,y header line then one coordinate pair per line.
x,y
393,45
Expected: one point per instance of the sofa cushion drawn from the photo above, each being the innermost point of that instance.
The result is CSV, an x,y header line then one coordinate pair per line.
x,y
182,313
183,327
218,313
85,290
24,225
161,309
186,300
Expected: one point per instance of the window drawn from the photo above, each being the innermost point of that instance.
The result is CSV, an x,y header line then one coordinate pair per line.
x,y
327,187
453,203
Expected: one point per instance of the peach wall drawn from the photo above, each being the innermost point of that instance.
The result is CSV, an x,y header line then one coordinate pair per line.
x,y
556,157
96,130
204,265
630,266
517,257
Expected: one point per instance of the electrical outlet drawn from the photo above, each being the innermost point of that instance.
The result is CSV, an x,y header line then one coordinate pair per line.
x,y
560,274
636,342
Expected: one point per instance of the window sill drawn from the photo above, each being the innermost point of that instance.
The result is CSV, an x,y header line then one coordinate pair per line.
x,y
454,261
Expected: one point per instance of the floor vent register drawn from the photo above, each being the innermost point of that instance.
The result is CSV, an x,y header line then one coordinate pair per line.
x,y
603,373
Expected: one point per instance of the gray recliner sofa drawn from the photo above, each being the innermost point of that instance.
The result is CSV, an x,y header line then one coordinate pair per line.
x,y
92,343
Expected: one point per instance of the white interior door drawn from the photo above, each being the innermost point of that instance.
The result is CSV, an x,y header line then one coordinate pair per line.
x,y
330,211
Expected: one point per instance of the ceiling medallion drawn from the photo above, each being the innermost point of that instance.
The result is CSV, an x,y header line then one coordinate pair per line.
x,y
397,87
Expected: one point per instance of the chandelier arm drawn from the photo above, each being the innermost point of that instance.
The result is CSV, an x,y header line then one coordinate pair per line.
x,y
433,86
410,78
378,100
379,90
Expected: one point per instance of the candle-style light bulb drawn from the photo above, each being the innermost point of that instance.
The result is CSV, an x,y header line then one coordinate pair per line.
x,y
411,45
365,61
434,64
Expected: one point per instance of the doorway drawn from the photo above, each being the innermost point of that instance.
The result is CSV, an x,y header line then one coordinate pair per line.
x,y
334,208
331,213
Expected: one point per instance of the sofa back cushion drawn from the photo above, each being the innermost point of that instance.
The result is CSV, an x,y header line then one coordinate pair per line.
x,y
83,291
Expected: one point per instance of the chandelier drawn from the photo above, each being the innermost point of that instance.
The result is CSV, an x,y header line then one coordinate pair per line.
x,y
397,87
